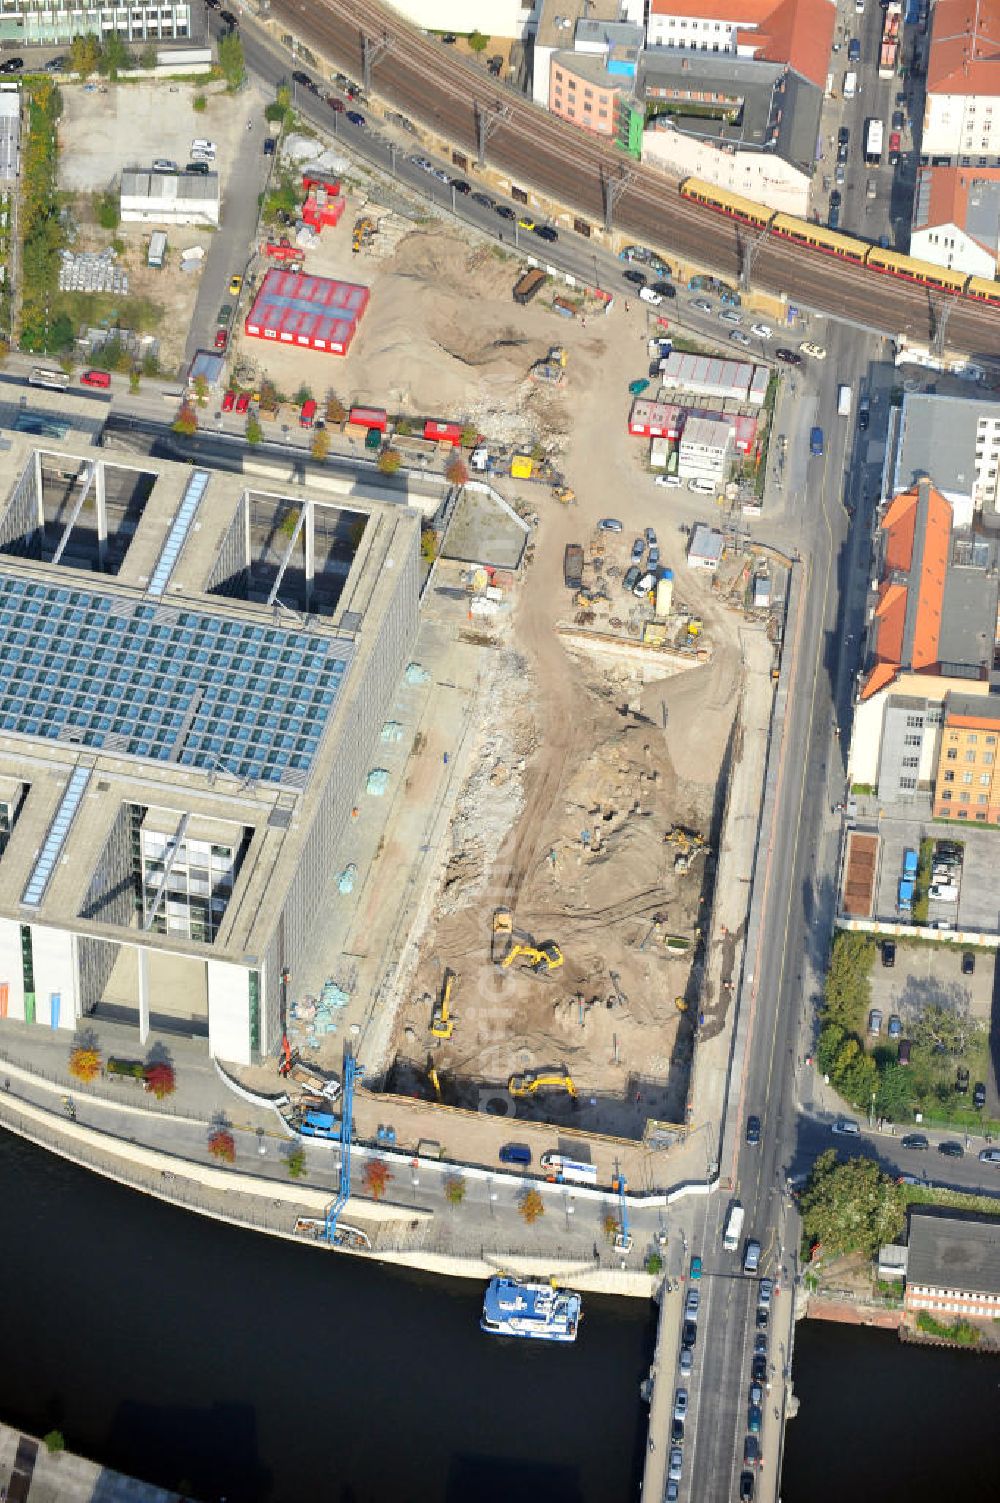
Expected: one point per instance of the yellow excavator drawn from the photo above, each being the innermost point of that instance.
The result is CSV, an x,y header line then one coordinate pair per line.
x,y
442,1022
510,944
545,1080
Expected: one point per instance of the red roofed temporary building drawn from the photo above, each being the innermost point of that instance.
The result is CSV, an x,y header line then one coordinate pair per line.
x,y
314,313
329,185
322,210
443,433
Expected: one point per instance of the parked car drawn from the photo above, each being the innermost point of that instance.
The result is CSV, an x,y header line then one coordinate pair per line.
x,y
680,1403
875,1022
221,339
685,1363
764,1292
754,1417
753,1131
814,351
672,482
638,278
695,1268
356,118
650,537
990,1156
746,1487
914,1140
202,169
235,284
483,199
461,186
676,1432
751,1450
730,316
760,1346
979,1095
664,289
751,1255
761,1318
653,559
895,1026
609,524
243,402
888,953
546,232
504,211
100,379
164,164
12,65
787,357
689,1333
738,337
951,1150
229,401
758,1369
968,963
762,331
269,146
702,487
676,1465
692,1304
961,1080
702,304
845,1127
631,579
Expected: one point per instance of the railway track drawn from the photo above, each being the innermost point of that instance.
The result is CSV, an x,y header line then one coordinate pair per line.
x,y
537,150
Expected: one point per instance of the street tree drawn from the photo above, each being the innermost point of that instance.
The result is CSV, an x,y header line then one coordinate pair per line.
x,y
255,432
186,421
894,1093
84,55
376,1177
531,1206
477,42
828,1047
854,1073
851,1207
114,57
231,60
847,992
85,1063
319,448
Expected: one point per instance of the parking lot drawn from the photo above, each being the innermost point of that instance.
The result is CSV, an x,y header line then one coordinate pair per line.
x,y
928,974
977,909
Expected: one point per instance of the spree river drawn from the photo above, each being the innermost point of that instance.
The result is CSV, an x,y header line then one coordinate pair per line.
x,y
230,1364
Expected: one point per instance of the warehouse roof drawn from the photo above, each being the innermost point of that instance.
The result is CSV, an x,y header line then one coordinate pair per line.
x,y
176,187
955,1252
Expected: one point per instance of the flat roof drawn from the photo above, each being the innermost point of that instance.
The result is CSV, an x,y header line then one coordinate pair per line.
x,y
955,1252
937,437
296,306
705,542
171,187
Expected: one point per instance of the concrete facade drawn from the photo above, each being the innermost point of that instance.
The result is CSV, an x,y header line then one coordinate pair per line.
x,y
37,23
160,846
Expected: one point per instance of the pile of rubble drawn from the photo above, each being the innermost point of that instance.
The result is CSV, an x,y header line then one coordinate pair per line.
x,y
85,271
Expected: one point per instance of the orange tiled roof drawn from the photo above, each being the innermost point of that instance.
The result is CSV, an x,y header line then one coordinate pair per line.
x,y
899,524
948,200
796,32
964,56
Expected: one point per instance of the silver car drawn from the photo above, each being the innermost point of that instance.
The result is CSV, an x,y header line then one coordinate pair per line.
x,y
681,1404
676,1466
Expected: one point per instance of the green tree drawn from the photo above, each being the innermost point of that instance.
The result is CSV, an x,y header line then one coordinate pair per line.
x,y
477,42
847,992
54,1441
295,1162
114,57
201,390
147,57
275,113
854,1074
454,1189
828,1047
133,381
231,61
389,461
945,1030
319,448
199,104
894,1093
429,544
850,1207
254,431
84,55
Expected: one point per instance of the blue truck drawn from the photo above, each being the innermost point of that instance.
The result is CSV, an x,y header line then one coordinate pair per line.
x,y
816,441
910,865
904,898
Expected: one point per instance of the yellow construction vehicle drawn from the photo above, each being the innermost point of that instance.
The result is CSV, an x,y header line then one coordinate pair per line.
x,y
549,1080
687,841
442,1022
565,494
503,929
432,1076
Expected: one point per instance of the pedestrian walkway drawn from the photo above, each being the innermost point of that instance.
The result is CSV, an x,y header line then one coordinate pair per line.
x,y
31,1473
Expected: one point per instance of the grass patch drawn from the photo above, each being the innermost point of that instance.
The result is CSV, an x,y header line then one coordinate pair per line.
x,y
955,1200
959,1331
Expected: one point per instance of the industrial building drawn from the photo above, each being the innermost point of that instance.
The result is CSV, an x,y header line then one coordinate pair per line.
x,y
170,197
708,376
953,1265
194,670
955,441
318,313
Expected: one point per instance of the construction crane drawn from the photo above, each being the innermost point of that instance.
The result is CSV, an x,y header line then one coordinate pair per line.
x,y
442,1022
532,1081
510,944
623,1237
352,1073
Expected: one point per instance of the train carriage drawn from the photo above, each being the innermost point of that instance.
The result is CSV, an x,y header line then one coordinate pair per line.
x,y
818,237
744,210
893,264
982,290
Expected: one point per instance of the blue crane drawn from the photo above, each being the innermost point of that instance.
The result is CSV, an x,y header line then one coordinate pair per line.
x,y
623,1237
352,1072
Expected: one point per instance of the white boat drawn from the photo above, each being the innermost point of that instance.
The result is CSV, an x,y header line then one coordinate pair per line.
x,y
536,1312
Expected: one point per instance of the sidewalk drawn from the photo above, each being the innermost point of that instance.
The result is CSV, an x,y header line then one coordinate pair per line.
x,y
26,1465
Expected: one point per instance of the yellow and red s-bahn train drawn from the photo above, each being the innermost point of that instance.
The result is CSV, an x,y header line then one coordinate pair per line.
x,y
816,237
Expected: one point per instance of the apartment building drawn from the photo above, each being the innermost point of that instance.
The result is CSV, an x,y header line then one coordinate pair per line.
x,y
931,633
777,31
956,218
967,781
962,106
955,439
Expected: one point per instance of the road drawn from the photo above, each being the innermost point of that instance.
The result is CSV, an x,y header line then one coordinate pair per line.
x,y
438,88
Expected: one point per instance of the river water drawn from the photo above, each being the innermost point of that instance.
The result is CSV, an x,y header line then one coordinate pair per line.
x,y
233,1365
881,1422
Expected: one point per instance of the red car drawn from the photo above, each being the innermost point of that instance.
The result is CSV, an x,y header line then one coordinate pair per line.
x,y
337,105
243,401
96,378
228,401
221,339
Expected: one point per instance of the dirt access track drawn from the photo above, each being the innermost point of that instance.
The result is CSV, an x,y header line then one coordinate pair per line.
x,y
582,771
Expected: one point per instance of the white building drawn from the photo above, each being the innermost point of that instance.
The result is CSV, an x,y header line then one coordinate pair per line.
x,y
494,18
962,106
170,198
38,23
704,548
956,218
775,31
705,448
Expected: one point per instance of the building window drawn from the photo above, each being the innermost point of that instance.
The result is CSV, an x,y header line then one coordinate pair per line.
x,y
987,759
908,783
949,777
911,740
984,780
914,722
911,761
967,778
970,756
981,798
964,798
946,797
952,754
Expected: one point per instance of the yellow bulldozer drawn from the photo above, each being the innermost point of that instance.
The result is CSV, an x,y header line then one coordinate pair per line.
x,y
510,944
541,1080
442,1022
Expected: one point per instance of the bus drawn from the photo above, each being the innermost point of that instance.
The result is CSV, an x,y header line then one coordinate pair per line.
x,y
568,1171
53,379
733,1227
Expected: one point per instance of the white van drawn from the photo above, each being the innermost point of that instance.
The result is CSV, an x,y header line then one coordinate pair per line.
x,y
850,85
206,148
844,400
649,296
733,1227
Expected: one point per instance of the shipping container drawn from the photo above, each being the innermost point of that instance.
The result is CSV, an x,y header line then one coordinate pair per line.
x,y
369,417
573,566
522,467
443,433
529,284
157,249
